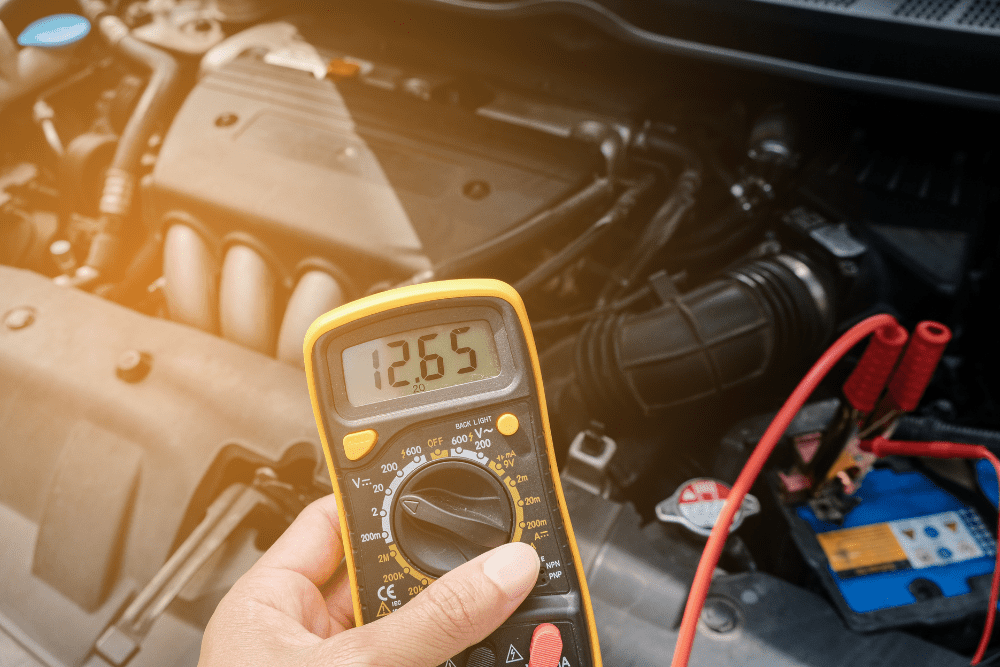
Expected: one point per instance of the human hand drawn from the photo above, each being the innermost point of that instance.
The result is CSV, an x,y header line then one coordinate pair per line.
x,y
288,610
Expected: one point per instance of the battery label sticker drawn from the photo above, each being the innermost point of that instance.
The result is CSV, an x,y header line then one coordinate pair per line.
x,y
927,541
940,539
854,552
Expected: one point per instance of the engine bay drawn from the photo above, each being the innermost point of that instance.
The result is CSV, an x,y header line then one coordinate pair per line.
x,y
186,188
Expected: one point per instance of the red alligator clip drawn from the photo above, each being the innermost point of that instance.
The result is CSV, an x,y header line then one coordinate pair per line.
x,y
868,378
919,361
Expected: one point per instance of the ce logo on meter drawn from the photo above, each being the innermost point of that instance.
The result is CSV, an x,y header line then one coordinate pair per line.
x,y
387,592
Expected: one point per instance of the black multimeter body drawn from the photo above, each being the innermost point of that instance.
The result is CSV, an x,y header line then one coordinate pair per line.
x,y
430,475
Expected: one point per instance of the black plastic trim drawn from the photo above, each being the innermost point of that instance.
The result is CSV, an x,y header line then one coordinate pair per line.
x,y
615,25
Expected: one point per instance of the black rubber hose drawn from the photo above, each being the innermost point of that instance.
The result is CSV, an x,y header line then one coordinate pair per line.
x,y
665,222
116,200
928,428
531,229
757,319
620,210
601,16
654,143
145,267
155,98
656,236
576,318
727,233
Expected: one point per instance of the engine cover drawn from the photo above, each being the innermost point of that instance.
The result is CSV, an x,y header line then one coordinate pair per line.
x,y
101,471
313,168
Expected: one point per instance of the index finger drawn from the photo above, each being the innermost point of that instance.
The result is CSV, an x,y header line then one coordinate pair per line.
x,y
312,545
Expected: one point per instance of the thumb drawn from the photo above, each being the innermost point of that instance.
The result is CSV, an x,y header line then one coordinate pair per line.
x,y
456,611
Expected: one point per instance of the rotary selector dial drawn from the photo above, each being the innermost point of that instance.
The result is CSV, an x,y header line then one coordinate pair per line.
x,y
449,512
438,495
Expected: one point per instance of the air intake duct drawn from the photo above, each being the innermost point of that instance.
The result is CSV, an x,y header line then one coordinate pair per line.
x,y
719,336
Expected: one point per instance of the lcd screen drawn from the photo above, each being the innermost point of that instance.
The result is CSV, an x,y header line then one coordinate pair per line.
x,y
420,360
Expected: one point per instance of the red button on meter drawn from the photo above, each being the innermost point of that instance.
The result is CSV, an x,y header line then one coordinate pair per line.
x,y
546,646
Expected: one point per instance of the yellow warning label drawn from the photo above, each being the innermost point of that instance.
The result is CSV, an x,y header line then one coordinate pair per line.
x,y
854,552
383,610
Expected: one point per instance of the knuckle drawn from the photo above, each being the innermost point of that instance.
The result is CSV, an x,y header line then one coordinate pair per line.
x,y
324,508
351,651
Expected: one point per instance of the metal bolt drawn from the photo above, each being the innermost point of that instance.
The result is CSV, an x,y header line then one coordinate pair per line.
x,y
264,474
591,129
418,88
476,189
19,318
133,366
719,615
848,269
63,256
226,120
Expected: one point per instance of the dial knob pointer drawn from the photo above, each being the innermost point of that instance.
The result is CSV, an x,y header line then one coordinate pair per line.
x,y
457,514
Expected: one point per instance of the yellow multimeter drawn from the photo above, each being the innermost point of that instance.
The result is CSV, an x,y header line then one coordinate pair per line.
x,y
430,405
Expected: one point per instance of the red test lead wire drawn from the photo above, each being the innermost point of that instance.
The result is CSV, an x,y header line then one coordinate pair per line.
x,y
933,449
717,540
949,450
866,382
917,366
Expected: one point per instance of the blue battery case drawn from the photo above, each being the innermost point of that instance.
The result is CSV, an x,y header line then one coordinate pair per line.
x,y
939,572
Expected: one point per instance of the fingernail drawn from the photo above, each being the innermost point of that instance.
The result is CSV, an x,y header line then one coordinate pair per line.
x,y
513,568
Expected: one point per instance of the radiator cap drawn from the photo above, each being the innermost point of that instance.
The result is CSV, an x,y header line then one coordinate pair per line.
x,y
696,505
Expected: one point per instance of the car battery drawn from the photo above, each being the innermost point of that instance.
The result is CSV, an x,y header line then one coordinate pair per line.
x,y
986,477
909,553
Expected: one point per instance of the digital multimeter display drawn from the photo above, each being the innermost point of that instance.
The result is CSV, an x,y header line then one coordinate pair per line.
x,y
427,483
425,359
